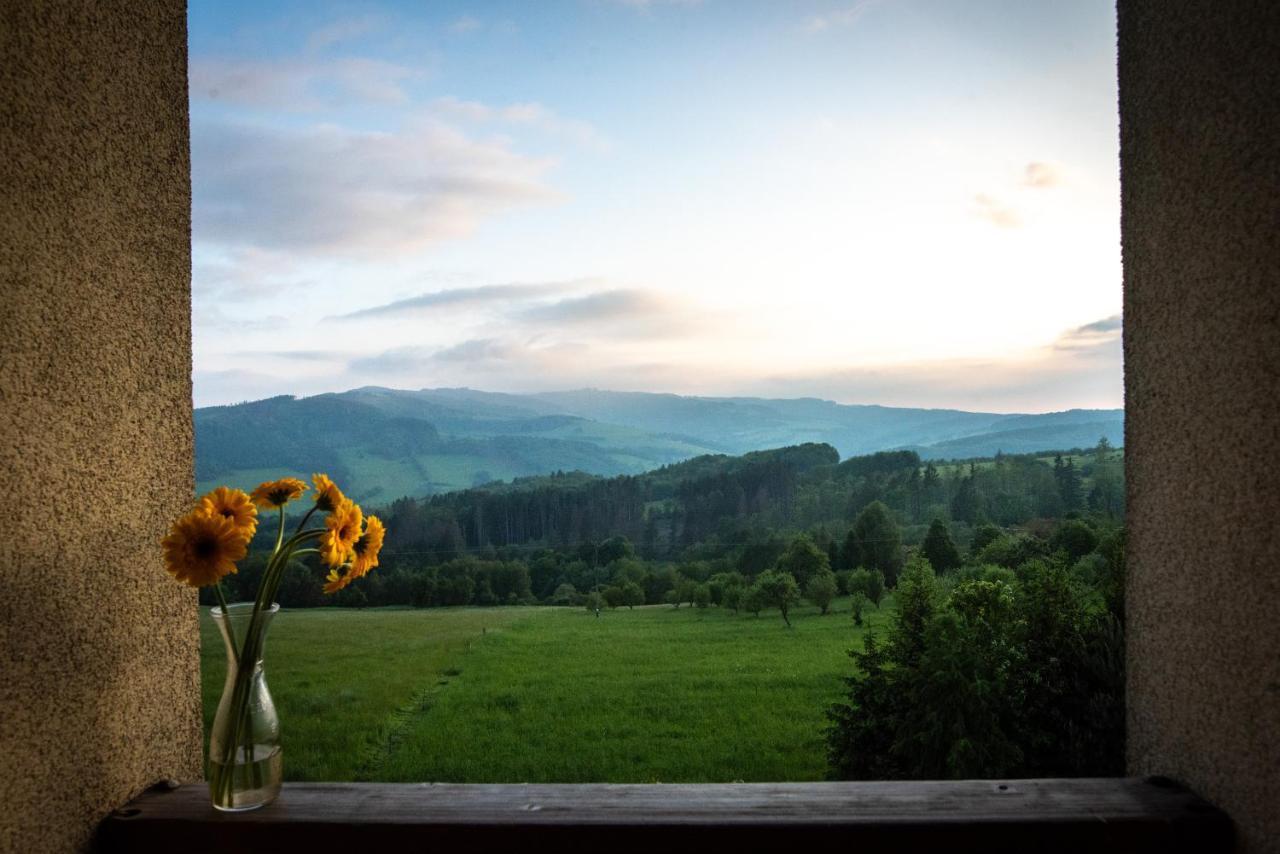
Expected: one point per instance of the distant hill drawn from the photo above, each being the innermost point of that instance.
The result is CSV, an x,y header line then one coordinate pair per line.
x,y
383,443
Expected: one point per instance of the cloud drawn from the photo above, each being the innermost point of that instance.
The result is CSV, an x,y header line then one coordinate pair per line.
x,y
454,363
1083,367
461,297
209,317
1041,175
465,24
296,355
328,189
612,314
343,30
838,18
301,85
1092,337
479,350
244,273
649,4
530,114
996,212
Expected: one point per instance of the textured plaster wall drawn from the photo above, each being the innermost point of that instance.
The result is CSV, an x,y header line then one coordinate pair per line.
x,y
99,693
1200,170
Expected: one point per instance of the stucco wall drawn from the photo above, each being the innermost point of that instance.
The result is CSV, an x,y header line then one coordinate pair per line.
x,y
1200,170
98,647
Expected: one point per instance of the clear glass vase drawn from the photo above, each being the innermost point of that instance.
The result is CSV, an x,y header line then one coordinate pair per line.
x,y
245,757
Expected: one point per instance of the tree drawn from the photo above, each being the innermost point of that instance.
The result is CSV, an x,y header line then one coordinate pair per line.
x,y
868,582
1075,538
879,544
632,595
701,596
565,594
612,596
939,548
821,590
850,555
684,591
803,560
614,548
753,600
917,600
1068,480
779,590
594,602
859,603
732,597
967,503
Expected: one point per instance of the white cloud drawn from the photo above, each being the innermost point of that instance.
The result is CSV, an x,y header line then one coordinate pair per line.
x,y
838,18
343,30
327,189
301,85
434,301
1041,175
530,114
996,212
1082,368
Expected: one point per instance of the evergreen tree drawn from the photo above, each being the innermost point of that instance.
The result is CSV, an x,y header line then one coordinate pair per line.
x,y
1068,483
939,548
878,542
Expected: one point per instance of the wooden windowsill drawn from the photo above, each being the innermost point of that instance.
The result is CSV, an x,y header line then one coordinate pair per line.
x,y
1078,815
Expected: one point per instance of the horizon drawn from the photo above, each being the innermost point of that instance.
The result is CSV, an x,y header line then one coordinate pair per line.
x,y
548,392
898,201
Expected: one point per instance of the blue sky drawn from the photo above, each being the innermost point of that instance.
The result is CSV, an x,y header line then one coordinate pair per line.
x,y
876,201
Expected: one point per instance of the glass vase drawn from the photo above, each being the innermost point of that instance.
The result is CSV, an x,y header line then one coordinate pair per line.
x,y
245,758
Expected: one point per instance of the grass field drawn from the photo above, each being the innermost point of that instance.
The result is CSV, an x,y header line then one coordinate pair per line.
x,y
551,694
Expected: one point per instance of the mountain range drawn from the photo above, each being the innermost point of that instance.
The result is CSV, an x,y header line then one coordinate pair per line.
x,y
383,443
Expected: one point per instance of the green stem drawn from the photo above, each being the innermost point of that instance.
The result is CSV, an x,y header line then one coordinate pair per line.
x,y
304,519
226,614
247,660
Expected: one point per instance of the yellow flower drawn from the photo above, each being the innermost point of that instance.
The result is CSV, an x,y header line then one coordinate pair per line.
x,y
202,547
234,505
277,493
363,556
342,529
335,582
328,496
367,547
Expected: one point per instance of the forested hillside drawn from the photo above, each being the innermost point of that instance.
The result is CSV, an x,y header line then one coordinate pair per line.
x,y
385,443
536,538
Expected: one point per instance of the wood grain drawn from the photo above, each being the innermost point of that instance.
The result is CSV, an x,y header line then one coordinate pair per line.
x,y
1089,815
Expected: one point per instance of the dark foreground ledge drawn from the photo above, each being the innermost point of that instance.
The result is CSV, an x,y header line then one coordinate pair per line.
x,y
1081,815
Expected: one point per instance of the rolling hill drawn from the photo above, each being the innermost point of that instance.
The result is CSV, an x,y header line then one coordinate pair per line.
x,y
383,443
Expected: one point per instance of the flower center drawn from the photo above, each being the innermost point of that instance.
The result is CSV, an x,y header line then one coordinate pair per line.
x,y
205,547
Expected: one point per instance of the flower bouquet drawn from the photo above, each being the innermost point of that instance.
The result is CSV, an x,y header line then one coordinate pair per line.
x,y
245,762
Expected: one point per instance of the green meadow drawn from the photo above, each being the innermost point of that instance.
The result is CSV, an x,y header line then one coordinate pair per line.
x,y
655,694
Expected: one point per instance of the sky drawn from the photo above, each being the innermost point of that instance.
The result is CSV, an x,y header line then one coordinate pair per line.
x,y
902,202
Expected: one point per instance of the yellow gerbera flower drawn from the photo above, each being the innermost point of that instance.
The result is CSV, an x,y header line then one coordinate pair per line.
x,y
335,582
367,547
232,504
277,493
202,547
342,529
328,496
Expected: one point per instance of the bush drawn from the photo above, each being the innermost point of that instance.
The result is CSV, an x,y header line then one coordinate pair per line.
x,y
868,582
702,596
821,590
